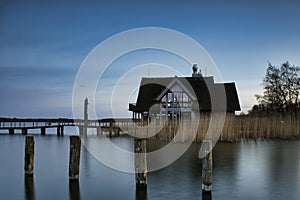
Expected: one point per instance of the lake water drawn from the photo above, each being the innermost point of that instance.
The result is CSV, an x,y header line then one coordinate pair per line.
x,y
245,170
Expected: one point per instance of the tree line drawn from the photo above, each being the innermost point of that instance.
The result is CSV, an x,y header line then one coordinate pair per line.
x,y
281,90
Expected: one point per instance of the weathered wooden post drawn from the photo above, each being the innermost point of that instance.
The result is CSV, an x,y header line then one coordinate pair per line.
x,y
74,160
29,155
140,163
207,167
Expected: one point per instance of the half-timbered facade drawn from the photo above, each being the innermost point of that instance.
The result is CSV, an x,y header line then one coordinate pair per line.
x,y
177,97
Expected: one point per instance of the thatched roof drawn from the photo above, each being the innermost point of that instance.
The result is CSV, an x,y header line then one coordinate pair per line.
x,y
204,88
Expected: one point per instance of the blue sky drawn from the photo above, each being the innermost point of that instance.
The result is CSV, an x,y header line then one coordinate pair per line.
x,y
43,43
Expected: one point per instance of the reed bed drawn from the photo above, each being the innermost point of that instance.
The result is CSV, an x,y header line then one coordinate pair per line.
x,y
235,128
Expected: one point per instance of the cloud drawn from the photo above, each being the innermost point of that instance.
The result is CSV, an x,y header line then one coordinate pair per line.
x,y
43,43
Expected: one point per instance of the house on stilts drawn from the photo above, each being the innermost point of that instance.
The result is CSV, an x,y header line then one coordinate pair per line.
x,y
174,98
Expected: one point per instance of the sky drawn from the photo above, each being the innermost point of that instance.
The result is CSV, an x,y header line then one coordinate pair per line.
x,y
44,43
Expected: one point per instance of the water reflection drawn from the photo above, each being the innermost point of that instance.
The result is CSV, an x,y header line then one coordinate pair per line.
x,y
225,170
74,190
141,194
281,165
268,168
29,188
206,195
244,170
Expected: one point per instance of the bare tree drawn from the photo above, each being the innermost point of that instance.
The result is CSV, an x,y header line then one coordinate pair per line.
x,y
281,89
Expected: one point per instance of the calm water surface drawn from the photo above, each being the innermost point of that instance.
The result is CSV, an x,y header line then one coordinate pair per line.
x,y
245,170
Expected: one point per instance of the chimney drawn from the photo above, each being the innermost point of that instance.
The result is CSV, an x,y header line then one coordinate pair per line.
x,y
196,71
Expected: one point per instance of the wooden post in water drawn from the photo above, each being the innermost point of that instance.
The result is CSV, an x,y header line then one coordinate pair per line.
x,y
86,116
11,131
140,163
29,155
110,129
62,130
80,130
207,167
43,131
98,130
74,160
24,131
58,130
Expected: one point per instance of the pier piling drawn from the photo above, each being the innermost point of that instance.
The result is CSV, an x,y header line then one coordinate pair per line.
x,y
58,130
80,130
24,131
110,129
207,167
74,160
62,131
29,155
43,131
140,162
11,131
98,130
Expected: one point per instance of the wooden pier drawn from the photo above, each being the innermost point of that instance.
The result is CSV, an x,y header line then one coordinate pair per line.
x,y
113,127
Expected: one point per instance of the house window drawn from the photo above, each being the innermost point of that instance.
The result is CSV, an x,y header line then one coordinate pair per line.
x,y
176,101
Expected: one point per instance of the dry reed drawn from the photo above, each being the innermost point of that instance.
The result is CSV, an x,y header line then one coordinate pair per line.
x,y
235,128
